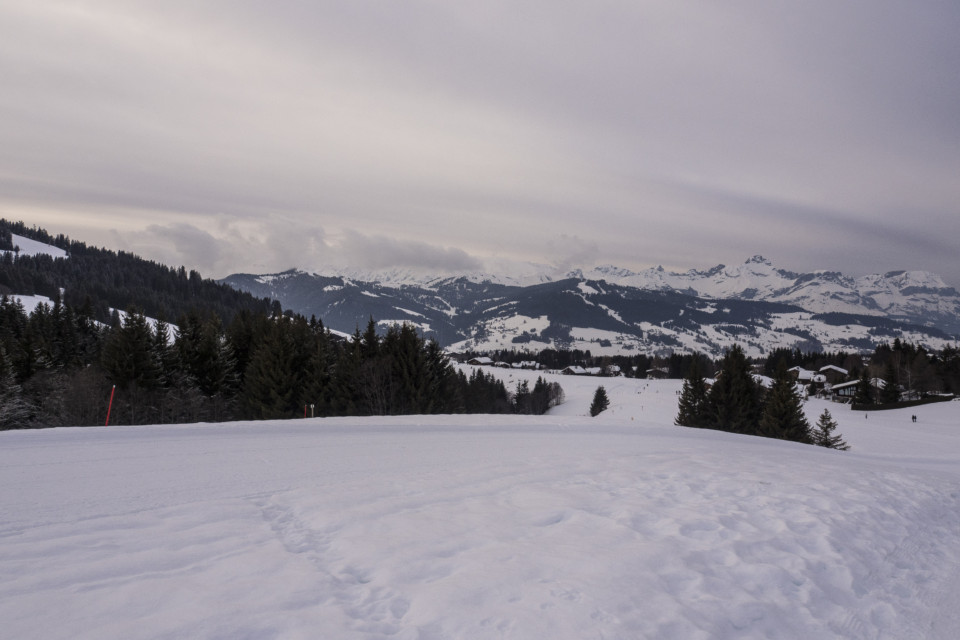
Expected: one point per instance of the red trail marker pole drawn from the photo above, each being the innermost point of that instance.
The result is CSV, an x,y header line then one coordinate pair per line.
x,y
110,406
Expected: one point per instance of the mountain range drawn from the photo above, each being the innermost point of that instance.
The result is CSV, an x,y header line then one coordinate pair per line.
x,y
606,310
613,310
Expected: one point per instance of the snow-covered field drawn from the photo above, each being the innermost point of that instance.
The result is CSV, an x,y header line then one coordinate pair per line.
x,y
562,526
30,247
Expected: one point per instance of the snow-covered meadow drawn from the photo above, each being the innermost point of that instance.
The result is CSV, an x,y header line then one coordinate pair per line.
x,y
561,526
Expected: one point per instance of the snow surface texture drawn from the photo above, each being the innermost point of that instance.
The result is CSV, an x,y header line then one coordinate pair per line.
x,y
562,526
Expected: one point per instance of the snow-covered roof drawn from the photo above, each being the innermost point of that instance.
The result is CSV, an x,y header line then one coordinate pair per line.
x,y
763,381
844,385
879,383
802,374
831,367
575,369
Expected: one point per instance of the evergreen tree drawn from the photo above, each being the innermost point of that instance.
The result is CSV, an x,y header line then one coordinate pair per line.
x,y
541,398
243,333
272,383
783,415
485,394
693,409
318,381
15,411
128,355
410,384
442,381
521,398
69,351
890,393
347,397
370,342
734,399
864,394
163,354
823,434
600,402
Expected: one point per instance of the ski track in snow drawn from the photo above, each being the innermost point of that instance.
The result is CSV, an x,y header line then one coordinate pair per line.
x,y
422,527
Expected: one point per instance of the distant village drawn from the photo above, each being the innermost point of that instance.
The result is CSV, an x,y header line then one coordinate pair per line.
x,y
829,382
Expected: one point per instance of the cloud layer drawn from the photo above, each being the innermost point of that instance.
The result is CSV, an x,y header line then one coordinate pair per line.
x,y
438,135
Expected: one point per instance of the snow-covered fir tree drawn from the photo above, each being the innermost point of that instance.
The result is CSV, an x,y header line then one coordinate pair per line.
x,y
600,402
823,433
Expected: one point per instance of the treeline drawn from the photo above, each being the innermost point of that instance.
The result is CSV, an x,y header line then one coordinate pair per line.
x,y
58,366
103,280
736,402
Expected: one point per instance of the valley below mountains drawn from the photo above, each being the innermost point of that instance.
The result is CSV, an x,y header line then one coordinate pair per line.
x,y
608,310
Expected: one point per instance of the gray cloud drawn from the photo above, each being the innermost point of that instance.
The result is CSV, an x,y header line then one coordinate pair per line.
x,y
572,252
234,135
265,247
381,252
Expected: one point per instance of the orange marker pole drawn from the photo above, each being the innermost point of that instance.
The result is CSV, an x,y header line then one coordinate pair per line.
x,y
110,406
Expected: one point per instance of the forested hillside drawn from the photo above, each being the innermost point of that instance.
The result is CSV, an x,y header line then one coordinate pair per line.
x,y
213,353
100,280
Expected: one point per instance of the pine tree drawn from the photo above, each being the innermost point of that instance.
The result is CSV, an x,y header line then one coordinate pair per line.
x,y
521,398
734,399
540,397
163,354
317,386
346,397
411,390
600,402
442,384
864,394
890,393
15,411
693,399
128,355
823,434
783,415
272,383
370,341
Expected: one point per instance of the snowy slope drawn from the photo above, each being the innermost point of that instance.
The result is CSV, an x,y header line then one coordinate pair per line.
x,y
30,247
31,302
621,526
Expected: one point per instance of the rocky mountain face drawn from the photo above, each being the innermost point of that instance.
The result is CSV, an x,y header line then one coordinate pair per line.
x,y
613,310
916,297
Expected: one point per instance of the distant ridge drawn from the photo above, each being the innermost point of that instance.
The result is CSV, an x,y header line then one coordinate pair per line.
x,y
609,309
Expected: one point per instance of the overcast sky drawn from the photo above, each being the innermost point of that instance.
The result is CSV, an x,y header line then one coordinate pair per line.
x,y
256,136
